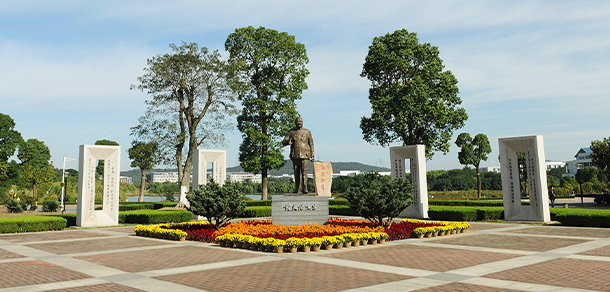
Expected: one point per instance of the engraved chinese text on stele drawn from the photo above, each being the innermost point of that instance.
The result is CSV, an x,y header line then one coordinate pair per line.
x,y
533,148
86,215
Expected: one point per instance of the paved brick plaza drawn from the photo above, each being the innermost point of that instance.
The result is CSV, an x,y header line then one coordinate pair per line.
x,y
489,257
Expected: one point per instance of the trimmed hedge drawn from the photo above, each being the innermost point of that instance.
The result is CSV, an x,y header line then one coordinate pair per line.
x,y
341,210
581,217
256,211
155,216
70,218
258,203
159,205
141,206
31,224
466,203
338,202
453,213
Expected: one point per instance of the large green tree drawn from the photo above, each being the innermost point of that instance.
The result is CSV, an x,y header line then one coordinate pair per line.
x,y
272,78
35,156
143,155
414,100
600,155
473,151
191,100
9,137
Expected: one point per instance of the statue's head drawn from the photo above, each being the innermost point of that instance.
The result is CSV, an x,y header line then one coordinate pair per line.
x,y
299,122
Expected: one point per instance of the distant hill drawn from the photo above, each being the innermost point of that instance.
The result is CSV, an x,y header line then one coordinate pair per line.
x,y
286,169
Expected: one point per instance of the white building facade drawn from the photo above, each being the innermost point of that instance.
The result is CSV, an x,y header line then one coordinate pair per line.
x,y
583,159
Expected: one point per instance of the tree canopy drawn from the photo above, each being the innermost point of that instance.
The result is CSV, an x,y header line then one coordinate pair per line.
x,y
413,99
272,77
473,151
600,155
143,156
191,100
9,137
35,156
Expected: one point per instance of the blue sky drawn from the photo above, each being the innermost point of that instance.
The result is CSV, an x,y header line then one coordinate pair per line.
x,y
524,67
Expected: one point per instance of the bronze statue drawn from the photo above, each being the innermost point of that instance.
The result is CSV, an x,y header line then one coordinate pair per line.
x,y
301,150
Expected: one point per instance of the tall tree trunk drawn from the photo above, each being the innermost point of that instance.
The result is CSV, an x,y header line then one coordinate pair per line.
x,y
264,184
34,193
478,179
142,185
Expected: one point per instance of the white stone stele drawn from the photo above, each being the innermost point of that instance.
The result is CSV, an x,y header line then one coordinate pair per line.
x,y
323,178
201,158
533,147
417,157
86,215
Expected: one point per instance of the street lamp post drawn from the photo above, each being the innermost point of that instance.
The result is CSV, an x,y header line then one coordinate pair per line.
x,y
63,182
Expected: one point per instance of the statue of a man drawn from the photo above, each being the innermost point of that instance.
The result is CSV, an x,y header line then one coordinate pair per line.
x,y
301,150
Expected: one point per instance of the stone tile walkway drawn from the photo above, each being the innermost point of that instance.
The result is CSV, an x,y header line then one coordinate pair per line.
x,y
489,257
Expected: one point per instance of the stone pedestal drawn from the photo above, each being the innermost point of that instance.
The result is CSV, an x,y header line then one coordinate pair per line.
x,y
86,215
299,210
323,178
417,157
533,147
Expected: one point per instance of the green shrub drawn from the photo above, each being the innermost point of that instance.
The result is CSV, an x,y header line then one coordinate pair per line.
x,y
376,197
258,203
218,204
15,206
154,216
581,217
256,211
341,210
50,206
31,224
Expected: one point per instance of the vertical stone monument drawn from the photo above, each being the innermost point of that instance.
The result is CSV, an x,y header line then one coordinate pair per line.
x,y
417,157
533,147
86,215
201,158
323,178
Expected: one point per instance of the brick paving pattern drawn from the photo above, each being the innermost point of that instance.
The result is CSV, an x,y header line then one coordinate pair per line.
x,y
156,259
571,273
23,266
127,229
47,236
106,287
421,257
565,231
283,275
35,272
485,226
5,255
602,252
462,287
97,244
515,242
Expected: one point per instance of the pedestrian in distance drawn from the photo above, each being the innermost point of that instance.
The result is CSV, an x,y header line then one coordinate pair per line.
x,y
552,196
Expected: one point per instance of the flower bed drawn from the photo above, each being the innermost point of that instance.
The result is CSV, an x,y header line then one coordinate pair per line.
x,y
439,228
263,235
